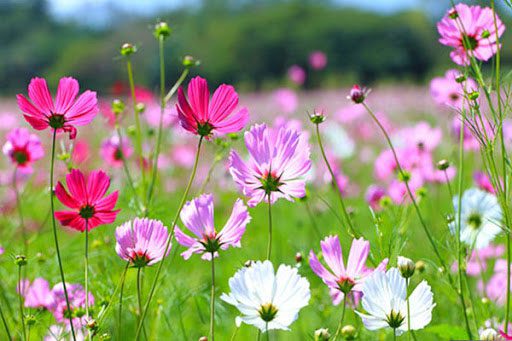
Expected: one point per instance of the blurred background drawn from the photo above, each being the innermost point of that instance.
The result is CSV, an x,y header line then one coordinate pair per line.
x,y
257,45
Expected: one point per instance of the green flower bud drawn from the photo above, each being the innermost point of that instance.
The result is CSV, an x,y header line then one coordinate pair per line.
x,y
474,95
322,334
131,130
349,332
20,260
30,320
460,78
406,266
317,117
128,49
189,61
140,107
443,165
162,30
118,106
420,266
486,34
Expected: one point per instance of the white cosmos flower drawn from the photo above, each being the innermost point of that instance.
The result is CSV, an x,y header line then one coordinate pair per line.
x,y
480,217
265,299
384,299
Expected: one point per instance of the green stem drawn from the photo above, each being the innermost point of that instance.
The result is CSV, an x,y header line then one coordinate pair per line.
x,y
340,324
394,334
6,326
335,182
125,164
20,211
55,237
175,220
20,296
407,280
120,308
409,192
234,334
109,304
269,245
212,301
175,87
86,274
137,126
139,299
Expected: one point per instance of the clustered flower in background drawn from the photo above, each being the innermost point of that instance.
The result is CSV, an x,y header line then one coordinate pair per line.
x,y
281,162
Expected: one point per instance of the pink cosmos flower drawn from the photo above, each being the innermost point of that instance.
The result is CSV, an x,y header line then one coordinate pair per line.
x,y
63,114
374,194
37,294
483,182
470,30
286,99
203,117
23,148
142,241
152,116
342,280
297,74
87,201
76,295
317,60
496,287
112,151
477,263
197,216
81,152
447,91
421,136
279,161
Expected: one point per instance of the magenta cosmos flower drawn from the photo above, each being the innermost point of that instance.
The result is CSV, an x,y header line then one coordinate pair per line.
x,y
112,151
64,113
142,241
197,216
87,201
203,117
278,163
342,280
23,148
470,30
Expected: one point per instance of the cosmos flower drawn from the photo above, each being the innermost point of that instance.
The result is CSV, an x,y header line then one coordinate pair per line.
x,y
470,30
87,201
197,216
477,262
152,116
448,91
286,99
202,116
317,60
278,163
373,196
496,287
342,280
480,217
384,300
64,113
142,242
483,182
112,151
297,74
59,332
37,294
76,295
267,300
23,148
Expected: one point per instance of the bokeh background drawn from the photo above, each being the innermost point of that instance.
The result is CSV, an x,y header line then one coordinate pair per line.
x,y
249,43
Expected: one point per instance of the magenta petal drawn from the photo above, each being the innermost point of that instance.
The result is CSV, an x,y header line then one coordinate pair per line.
x,y
40,95
198,95
66,94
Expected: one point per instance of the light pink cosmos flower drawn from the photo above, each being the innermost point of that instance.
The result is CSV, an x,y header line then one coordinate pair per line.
x,y
197,216
37,294
297,74
496,287
142,242
279,161
317,60
477,263
23,148
447,91
421,136
342,280
112,151
286,99
470,30
76,295
203,117
63,114
152,116
87,201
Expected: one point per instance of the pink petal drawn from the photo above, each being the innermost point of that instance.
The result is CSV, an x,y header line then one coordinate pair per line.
x,y
66,94
40,95
84,110
64,197
97,185
198,95
224,101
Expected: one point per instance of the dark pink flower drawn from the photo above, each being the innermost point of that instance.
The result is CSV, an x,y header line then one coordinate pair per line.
x,y
358,94
470,30
374,194
202,116
113,152
23,148
87,200
81,152
63,114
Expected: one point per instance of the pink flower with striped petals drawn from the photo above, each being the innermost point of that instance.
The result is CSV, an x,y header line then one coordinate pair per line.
x,y
197,216
62,114
343,280
87,201
202,116
23,148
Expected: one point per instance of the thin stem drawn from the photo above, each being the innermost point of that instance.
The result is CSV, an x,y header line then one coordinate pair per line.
x,y
212,301
335,182
137,125
394,334
409,192
234,333
176,85
340,324
86,274
125,164
20,297
120,308
175,220
139,299
269,245
6,326
55,237
20,211
407,280
119,283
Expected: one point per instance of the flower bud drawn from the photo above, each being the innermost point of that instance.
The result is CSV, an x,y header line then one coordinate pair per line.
x,y
92,324
453,14
443,165
298,257
118,106
420,266
140,107
20,260
485,301
189,61
404,176
322,334
40,257
128,49
488,334
162,30
357,94
131,130
486,34
460,78
349,332
30,320
317,117
473,95
406,266
203,338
